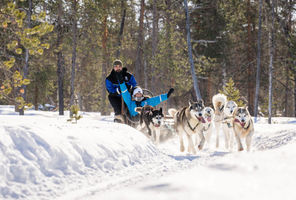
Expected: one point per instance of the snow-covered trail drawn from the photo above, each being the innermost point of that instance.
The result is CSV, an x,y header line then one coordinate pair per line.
x,y
171,166
42,156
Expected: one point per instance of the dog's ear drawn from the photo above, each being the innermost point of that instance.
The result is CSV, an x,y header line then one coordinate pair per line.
x,y
160,109
235,111
202,102
138,109
190,102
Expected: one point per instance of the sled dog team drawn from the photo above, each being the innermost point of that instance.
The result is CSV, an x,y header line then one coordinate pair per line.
x,y
200,121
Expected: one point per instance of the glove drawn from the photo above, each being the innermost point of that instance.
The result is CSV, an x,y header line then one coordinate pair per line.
x,y
124,70
170,92
119,77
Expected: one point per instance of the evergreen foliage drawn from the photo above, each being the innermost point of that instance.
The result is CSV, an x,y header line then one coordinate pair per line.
x,y
75,116
19,38
223,37
232,93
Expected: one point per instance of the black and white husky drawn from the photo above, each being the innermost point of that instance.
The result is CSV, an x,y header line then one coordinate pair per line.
x,y
152,119
189,121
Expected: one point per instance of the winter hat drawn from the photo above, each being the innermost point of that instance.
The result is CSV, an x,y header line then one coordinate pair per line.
x,y
117,62
136,90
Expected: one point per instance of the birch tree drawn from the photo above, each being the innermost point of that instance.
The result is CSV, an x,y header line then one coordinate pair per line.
x,y
271,52
194,78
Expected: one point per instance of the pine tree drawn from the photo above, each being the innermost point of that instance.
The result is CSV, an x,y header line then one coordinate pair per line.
x,y
232,92
21,42
75,116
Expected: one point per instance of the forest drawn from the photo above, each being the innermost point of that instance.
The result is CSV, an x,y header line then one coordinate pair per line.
x,y
60,52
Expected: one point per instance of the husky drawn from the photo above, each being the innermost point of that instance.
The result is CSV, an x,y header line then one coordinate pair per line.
x,y
219,101
188,120
153,120
243,126
208,115
227,123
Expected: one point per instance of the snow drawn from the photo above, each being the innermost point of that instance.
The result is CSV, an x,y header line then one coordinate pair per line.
x,y
42,156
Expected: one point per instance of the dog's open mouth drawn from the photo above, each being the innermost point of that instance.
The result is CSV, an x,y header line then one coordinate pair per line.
x,y
201,119
241,123
209,119
157,125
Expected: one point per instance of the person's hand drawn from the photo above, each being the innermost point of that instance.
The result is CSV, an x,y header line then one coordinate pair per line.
x,y
124,70
119,77
170,92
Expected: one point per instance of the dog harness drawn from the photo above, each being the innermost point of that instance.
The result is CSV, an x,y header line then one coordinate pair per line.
x,y
191,126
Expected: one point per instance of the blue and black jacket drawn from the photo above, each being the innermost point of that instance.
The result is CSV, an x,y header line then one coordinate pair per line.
x,y
112,84
131,105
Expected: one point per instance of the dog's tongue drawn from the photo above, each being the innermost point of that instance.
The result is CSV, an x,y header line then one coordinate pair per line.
x,y
209,119
156,125
202,120
241,123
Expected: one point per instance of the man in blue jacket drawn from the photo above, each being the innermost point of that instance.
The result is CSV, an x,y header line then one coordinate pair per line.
x,y
113,88
137,99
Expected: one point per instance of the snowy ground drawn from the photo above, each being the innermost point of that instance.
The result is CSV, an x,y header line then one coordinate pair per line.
x,y
42,156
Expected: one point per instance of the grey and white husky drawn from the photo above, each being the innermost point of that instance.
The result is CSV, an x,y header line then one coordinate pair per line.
x,y
188,121
243,127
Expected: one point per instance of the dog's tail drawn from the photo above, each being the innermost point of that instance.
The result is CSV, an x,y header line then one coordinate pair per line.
x,y
172,112
218,100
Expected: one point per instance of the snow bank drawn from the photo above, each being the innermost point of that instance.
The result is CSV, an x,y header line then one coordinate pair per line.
x,y
42,156
41,153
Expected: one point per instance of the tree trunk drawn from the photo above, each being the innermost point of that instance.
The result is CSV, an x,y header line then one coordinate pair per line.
x,y
154,42
104,67
286,101
139,57
194,78
36,96
121,29
169,48
74,29
60,63
284,27
258,62
251,88
26,67
271,52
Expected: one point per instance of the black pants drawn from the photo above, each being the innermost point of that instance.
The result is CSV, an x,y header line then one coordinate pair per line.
x,y
115,102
